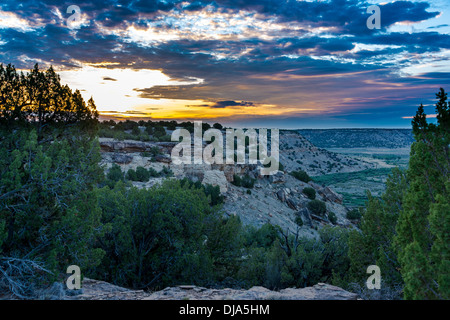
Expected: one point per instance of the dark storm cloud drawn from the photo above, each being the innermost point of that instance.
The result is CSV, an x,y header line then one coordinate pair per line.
x,y
226,104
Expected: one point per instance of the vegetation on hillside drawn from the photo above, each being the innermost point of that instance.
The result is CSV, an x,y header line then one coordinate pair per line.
x,y
58,208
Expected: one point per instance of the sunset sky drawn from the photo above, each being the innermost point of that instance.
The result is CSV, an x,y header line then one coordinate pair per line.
x,y
255,63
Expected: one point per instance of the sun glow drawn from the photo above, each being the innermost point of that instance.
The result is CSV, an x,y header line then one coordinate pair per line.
x,y
117,89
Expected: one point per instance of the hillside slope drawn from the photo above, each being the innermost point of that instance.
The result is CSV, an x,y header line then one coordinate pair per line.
x,y
359,138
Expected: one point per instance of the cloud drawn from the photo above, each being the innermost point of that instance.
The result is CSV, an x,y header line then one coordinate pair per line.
x,y
227,104
304,57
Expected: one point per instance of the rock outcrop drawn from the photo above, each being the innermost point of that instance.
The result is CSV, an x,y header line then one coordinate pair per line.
x,y
99,290
330,195
216,178
133,146
320,291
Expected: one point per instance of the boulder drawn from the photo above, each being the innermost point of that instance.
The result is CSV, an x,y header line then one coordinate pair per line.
x,y
281,195
306,217
122,158
163,158
216,178
292,204
277,177
315,185
330,195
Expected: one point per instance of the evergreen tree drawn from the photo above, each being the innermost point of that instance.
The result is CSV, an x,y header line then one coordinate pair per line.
x,y
39,98
422,242
49,157
373,244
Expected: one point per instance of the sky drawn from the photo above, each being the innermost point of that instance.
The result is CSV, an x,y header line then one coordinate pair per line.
x,y
255,63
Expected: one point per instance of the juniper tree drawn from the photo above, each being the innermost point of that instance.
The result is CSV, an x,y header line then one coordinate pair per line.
x,y
49,157
424,224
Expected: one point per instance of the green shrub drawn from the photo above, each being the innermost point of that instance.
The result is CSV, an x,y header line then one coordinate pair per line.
x,y
115,173
332,217
317,207
131,175
299,220
237,181
142,174
136,131
217,126
214,193
248,182
119,135
301,175
354,214
166,172
159,132
153,173
154,231
154,151
310,193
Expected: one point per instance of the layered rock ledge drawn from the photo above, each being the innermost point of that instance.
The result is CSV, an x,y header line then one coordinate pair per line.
x,y
99,290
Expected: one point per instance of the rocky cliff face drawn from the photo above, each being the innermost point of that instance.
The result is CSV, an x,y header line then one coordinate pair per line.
x,y
99,290
276,199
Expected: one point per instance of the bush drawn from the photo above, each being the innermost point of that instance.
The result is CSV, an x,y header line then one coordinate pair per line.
x,y
153,173
165,138
317,207
154,151
332,217
131,175
237,181
246,181
166,172
214,193
115,173
159,132
156,237
301,175
154,231
48,213
142,174
299,220
354,214
136,131
310,193
217,126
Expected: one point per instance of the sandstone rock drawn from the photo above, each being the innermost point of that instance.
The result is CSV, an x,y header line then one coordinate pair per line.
x,y
122,158
318,218
196,172
306,217
216,178
100,290
315,185
236,169
281,195
320,291
292,204
133,146
330,195
163,158
277,177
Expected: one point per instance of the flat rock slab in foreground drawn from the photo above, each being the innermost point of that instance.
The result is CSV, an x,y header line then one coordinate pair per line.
x,y
99,290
